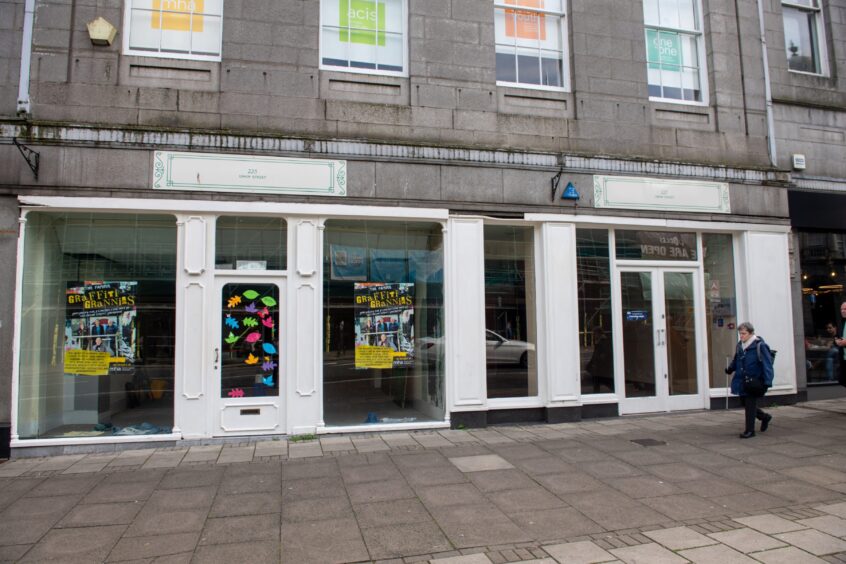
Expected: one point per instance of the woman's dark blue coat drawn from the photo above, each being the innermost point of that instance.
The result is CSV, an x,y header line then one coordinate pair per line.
x,y
746,363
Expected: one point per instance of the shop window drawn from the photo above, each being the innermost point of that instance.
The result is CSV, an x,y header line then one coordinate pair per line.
x,y
655,245
183,29
510,322
97,325
383,339
674,50
721,300
822,257
530,39
366,36
596,349
250,243
803,32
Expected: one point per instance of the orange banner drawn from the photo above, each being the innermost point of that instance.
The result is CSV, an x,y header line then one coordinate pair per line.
x,y
178,15
522,24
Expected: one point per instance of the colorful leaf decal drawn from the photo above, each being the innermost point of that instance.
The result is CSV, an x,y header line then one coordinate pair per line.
x,y
250,322
263,313
236,393
267,322
231,322
268,365
269,348
251,308
253,337
251,359
268,301
268,380
251,294
231,339
233,301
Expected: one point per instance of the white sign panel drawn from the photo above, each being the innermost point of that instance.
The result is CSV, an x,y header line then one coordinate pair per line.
x,y
625,192
248,173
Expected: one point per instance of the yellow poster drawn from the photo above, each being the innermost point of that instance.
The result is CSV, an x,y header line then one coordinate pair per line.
x,y
367,356
87,363
178,15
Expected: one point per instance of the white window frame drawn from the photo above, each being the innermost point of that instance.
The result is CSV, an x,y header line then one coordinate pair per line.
x,y
128,50
700,53
379,72
822,52
562,29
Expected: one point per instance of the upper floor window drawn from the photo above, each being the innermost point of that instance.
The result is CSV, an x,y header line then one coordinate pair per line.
x,y
674,50
179,29
367,36
802,35
530,39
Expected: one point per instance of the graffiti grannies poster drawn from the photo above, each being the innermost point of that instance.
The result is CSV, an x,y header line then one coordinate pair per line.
x,y
384,325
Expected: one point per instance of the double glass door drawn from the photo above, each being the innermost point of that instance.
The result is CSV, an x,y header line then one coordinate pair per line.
x,y
659,338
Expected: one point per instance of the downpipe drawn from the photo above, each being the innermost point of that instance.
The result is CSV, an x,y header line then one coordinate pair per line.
x,y
24,105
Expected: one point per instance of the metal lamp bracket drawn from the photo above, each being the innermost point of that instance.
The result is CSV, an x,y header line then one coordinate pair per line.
x,y
31,157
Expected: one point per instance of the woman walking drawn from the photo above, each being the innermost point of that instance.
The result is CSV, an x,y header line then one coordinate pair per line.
x,y
753,368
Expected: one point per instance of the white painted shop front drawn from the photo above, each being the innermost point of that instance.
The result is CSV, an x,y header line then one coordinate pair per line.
x,y
275,318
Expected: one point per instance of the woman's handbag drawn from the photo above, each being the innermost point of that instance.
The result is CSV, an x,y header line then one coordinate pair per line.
x,y
753,387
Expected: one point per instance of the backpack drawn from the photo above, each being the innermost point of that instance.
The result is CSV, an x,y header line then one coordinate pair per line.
x,y
761,356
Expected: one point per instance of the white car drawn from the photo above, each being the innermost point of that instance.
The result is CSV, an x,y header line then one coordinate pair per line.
x,y
498,349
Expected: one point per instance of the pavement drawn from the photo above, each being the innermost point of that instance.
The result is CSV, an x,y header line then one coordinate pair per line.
x,y
655,489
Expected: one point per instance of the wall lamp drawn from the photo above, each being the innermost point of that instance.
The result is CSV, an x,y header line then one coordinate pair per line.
x,y
569,193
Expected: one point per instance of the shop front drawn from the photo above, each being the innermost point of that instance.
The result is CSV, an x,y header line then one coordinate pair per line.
x,y
161,319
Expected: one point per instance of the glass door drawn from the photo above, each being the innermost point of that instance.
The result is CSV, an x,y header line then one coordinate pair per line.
x,y
659,340
247,355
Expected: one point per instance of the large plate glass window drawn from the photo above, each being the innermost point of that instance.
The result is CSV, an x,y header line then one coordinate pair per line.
x,y
97,325
596,350
185,29
383,322
721,300
530,43
802,35
674,52
364,36
250,243
510,322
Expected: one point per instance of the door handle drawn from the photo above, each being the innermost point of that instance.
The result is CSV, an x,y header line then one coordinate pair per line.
x,y
216,357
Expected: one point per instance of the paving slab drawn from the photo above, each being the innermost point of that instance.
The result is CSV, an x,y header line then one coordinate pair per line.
x,y
433,440
477,525
838,509
481,463
202,453
101,514
89,543
466,559
265,552
370,444
829,524
319,509
747,540
271,448
245,528
679,538
14,468
129,548
395,541
555,524
770,524
231,455
716,554
395,512
788,555
336,444
650,553
582,552
329,541
813,541
309,449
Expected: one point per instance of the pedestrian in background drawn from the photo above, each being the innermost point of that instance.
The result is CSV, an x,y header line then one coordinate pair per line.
x,y
753,376
840,341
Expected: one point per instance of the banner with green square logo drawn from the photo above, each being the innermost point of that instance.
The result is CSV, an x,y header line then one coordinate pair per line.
x,y
365,20
663,50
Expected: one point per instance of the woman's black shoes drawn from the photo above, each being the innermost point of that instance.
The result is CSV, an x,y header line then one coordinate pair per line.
x,y
765,422
747,434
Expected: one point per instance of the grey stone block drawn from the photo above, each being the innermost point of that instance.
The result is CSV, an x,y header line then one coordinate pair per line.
x,y
294,84
440,29
408,181
467,184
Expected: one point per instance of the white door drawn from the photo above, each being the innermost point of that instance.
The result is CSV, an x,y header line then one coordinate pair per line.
x,y
659,340
247,371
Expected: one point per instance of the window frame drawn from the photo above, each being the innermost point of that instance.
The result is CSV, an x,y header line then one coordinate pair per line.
x,y
355,70
819,24
128,50
701,54
563,38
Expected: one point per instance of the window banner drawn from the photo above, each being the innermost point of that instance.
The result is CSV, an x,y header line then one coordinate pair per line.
x,y
100,334
178,15
522,24
384,325
362,21
348,263
663,50
388,265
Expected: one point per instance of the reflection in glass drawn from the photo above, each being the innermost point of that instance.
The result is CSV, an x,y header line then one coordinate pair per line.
x,y
655,245
596,350
510,311
638,333
383,341
249,358
680,332
97,325
721,299
800,39
250,243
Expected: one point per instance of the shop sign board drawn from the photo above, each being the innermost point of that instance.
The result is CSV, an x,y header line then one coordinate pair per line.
x,y
209,172
637,193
